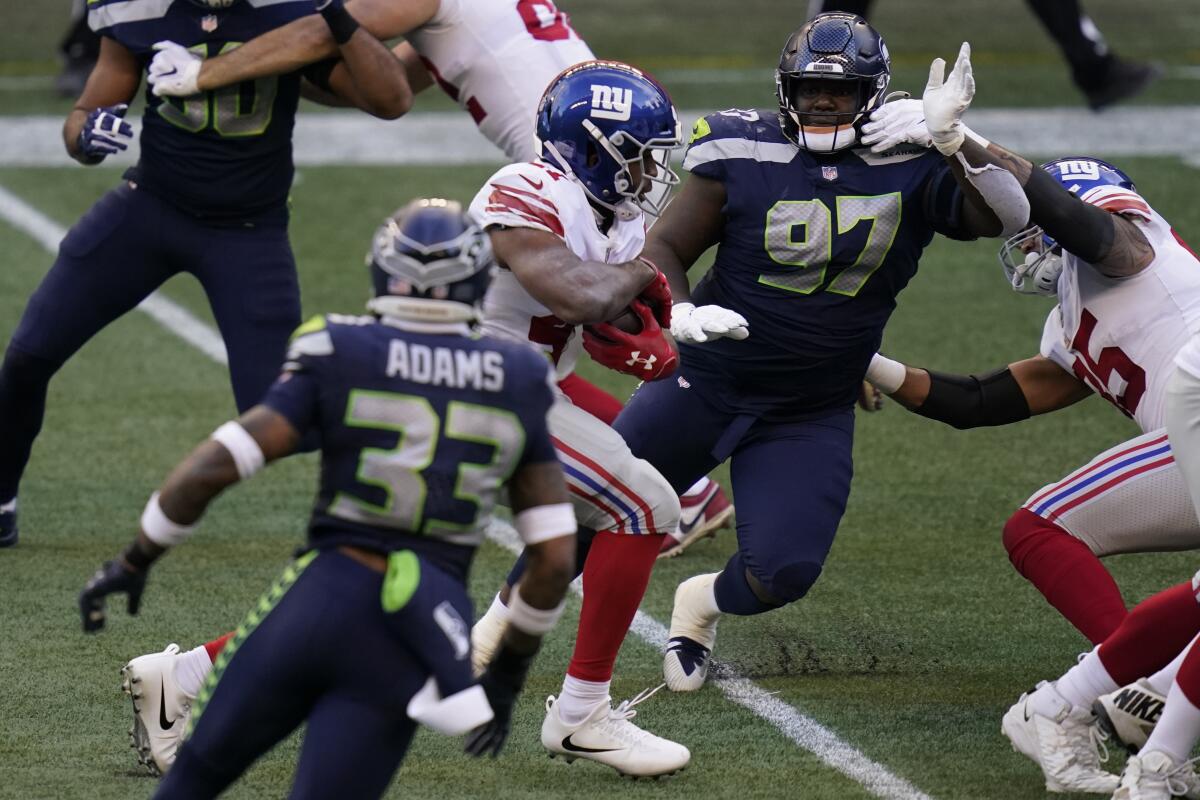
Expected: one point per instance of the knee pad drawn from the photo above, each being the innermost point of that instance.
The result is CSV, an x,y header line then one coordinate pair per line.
x,y
789,582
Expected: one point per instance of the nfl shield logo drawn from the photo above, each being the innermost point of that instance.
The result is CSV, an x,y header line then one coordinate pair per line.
x,y
209,23
829,173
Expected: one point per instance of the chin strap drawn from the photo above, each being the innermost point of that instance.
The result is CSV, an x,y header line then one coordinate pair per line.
x,y
422,309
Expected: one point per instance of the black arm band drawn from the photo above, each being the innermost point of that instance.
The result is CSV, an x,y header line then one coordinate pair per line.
x,y
340,23
969,401
1082,229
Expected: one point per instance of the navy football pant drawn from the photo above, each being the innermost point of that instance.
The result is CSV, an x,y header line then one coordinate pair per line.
x,y
790,483
326,651
120,251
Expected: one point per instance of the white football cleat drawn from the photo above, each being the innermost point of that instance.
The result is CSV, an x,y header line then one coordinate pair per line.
x,y
700,516
692,636
160,708
1154,776
1130,713
1065,745
608,737
485,638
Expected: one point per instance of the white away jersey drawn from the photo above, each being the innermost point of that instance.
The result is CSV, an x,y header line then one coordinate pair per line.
x,y
535,195
1121,335
495,58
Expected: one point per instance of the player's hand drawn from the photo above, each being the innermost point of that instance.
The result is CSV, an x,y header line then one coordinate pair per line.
x,y
502,682
897,122
105,132
113,577
174,71
695,325
657,295
945,100
648,355
870,399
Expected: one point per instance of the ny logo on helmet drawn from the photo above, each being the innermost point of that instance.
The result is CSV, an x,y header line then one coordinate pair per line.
x,y
636,359
611,102
1087,170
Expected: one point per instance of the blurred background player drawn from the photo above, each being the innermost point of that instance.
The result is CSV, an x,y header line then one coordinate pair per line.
x,y
208,196
763,188
1101,75
79,49
495,59
366,633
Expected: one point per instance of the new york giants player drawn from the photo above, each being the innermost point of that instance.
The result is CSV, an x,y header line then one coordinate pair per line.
x,y
208,196
422,422
815,237
495,58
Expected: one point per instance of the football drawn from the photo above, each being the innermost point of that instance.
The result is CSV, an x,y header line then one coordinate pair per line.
x,y
627,321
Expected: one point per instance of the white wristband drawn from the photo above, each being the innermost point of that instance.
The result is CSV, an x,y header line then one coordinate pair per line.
x,y
534,621
247,455
542,523
159,528
885,374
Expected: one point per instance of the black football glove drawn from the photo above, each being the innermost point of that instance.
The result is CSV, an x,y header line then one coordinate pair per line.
x,y
502,682
112,577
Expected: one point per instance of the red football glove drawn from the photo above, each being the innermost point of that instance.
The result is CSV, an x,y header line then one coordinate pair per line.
x,y
648,355
657,294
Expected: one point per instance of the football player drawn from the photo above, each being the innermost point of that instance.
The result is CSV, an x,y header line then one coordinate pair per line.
x,y
495,59
816,235
422,422
208,196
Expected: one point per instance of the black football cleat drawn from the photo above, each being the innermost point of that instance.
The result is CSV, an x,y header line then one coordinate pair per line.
x,y
1122,80
8,527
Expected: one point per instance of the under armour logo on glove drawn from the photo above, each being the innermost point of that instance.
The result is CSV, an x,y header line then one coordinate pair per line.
x,y
636,360
105,132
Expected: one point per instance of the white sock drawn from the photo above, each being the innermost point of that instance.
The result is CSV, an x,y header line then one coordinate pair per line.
x,y
1086,681
1161,681
191,668
9,507
498,609
698,487
1177,728
580,698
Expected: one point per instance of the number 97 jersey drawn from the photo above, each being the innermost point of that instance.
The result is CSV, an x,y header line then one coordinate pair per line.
x,y
814,250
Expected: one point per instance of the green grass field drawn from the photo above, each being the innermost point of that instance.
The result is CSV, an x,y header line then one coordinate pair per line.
x,y
910,647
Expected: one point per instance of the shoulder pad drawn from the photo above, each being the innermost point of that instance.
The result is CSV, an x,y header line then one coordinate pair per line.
x,y
1117,200
896,155
104,14
312,339
522,196
738,134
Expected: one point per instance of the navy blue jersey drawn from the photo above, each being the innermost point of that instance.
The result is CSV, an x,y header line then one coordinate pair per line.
x,y
814,250
224,154
418,431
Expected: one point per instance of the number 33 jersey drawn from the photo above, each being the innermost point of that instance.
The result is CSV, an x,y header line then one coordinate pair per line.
x,y
1120,335
814,250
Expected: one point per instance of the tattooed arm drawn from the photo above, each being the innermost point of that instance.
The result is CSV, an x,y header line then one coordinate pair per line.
x,y
1112,243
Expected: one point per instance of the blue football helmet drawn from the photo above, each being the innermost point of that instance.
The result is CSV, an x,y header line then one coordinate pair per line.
x,y
612,128
1032,261
430,262
834,46
215,5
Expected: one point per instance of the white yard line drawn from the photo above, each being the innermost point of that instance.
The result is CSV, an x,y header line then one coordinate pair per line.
x,y
805,732
352,138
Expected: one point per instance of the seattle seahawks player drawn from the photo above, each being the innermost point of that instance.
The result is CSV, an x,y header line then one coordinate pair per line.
x,y
208,197
422,422
815,237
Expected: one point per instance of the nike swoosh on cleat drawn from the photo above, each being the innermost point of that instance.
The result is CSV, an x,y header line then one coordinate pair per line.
x,y
163,722
574,748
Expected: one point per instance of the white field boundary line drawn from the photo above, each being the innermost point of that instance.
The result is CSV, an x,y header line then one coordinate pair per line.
x,y
804,731
348,138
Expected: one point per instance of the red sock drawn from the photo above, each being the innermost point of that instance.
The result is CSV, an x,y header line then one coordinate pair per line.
x,y
615,577
214,647
1152,634
1066,572
591,398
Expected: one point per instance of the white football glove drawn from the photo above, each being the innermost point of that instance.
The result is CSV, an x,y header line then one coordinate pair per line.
x,y
894,123
694,325
945,100
174,71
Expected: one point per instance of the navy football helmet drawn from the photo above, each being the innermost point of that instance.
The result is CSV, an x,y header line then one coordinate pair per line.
x,y
612,128
215,5
430,262
834,46
1032,261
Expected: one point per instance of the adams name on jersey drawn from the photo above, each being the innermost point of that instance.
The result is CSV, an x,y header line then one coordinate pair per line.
x,y
814,251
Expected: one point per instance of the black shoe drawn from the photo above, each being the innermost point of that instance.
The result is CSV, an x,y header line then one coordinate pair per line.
x,y
8,528
1122,80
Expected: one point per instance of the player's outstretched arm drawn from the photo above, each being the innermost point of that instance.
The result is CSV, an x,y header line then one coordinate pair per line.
x,y
95,128
368,75
308,40
576,291
235,451
545,520
1025,388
